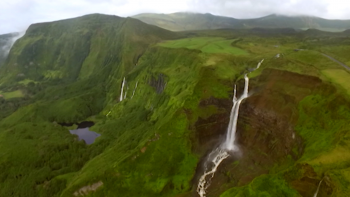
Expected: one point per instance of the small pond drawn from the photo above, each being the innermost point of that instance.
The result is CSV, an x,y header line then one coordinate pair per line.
x,y
83,131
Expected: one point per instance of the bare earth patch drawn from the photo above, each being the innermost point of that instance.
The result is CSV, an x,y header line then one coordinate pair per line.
x,y
87,189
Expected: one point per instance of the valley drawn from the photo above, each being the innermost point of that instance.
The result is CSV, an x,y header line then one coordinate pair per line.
x,y
160,103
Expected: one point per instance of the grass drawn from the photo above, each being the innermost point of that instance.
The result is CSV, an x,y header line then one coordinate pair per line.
x,y
321,118
26,81
206,45
13,94
265,185
338,76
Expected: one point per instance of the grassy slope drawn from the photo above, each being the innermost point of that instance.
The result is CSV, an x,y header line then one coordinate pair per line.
x,y
322,116
14,94
206,45
339,77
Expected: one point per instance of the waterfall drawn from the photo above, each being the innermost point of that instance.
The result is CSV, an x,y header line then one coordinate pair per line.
x,y
133,92
203,182
259,64
126,92
121,93
232,127
318,188
222,152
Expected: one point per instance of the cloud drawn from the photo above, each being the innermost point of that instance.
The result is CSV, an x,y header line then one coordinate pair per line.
x,y
5,49
253,8
17,15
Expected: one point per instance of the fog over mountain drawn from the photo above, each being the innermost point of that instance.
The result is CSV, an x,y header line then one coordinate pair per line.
x,y
6,42
17,15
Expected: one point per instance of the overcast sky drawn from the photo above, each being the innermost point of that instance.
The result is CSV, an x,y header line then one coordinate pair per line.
x,y
17,15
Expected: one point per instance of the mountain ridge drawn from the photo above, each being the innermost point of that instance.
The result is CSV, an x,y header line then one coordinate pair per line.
x,y
183,21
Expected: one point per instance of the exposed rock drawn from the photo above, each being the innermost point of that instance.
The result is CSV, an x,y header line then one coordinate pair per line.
x,y
309,181
88,189
158,83
265,133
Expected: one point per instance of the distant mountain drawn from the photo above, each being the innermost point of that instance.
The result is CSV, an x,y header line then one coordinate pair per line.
x,y
182,21
6,41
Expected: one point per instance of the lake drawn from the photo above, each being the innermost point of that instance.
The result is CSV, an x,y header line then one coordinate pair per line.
x,y
84,133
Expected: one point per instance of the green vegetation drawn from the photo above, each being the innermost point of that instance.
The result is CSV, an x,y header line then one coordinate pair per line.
x,y
293,129
266,185
339,77
14,94
206,45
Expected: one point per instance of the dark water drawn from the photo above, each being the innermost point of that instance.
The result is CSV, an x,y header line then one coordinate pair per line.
x,y
83,131
81,125
85,134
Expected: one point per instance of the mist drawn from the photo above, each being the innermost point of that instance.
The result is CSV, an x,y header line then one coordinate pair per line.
x,y
6,43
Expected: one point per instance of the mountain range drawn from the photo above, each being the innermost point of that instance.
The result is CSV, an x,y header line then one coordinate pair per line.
x,y
183,21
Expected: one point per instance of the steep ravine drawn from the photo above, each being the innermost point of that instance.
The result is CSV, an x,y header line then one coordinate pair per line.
x,y
265,135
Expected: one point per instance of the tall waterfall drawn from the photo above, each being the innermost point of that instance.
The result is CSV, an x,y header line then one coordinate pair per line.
x,y
232,127
121,92
222,152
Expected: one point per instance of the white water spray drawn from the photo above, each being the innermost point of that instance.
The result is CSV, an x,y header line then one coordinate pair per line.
x,y
121,93
318,188
232,127
222,152
133,92
203,182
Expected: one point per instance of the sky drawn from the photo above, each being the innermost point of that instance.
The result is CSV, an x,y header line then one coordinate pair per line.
x,y
17,15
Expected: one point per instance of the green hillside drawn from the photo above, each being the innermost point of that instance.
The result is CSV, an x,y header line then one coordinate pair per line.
x,y
182,21
175,108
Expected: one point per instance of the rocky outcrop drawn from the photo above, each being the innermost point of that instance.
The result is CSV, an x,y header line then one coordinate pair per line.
x,y
88,189
158,83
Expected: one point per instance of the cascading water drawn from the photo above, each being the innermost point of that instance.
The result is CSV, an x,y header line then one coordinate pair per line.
x,y
318,188
231,130
126,92
121,93
133,92
222,152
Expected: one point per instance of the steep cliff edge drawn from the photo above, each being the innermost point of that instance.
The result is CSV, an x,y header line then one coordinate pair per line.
x,y
268,134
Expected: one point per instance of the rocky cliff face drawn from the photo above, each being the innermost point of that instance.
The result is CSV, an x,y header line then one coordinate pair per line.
x,y
266,127
158,83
